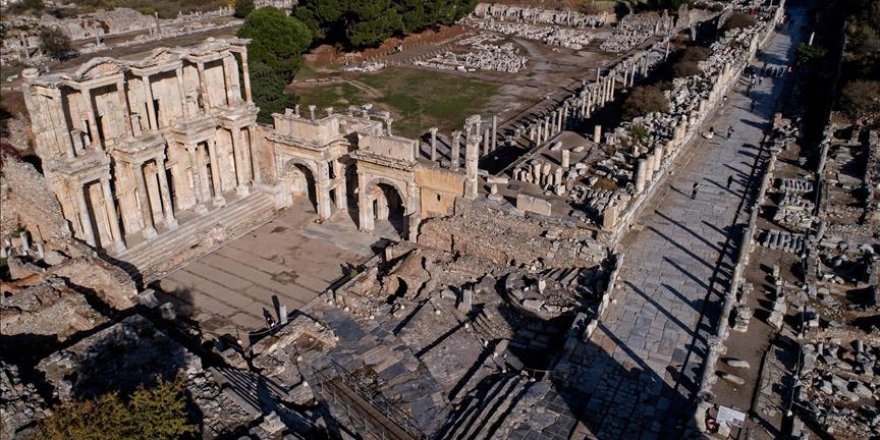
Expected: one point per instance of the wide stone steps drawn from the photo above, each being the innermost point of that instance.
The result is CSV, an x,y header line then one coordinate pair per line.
x,y
235,219
482,411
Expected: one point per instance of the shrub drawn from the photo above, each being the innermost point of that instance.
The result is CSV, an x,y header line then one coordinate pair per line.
x,y
810,54
157,413
243,8
644,100
53,42
738,20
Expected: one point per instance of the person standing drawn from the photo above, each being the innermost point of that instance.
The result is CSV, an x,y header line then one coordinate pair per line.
x,y
694,190
729,181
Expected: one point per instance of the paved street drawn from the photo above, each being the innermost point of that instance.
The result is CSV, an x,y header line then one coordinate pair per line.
x,y
678,258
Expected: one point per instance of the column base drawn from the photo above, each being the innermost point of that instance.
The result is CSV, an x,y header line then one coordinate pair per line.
x,y
242,190
171,223
219,202
201,209
118,247
149,233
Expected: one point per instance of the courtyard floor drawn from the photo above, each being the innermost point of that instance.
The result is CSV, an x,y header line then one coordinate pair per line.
x,y
292,257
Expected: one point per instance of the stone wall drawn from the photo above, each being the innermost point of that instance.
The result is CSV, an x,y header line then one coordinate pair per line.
x,y
27,201
510,237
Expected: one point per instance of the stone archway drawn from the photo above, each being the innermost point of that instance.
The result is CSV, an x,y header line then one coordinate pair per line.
x,y
385,200
388,205
300,181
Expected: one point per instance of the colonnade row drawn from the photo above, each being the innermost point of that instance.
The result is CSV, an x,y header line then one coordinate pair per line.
x,y
142,196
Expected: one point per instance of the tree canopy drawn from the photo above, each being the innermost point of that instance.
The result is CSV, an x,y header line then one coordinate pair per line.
x,y
277,40
275,53
157,413
243,8
644,100
363,23
54,42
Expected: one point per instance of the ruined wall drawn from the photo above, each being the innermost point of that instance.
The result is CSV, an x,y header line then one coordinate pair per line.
x,y
505,237
27,201
439,188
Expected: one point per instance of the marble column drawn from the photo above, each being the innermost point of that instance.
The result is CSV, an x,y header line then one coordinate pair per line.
x,y
181,90
456,149
151,106
110,206
85,220
165,192
219,200
433,131
198,183
471,157
640,176
366,216
339,185
227,81
240,165
322,191
147,228
254,156
494,132
86,94
123,104
203,87
247,78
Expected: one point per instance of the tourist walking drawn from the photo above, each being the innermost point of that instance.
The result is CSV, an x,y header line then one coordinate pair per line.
x,y
729,181
694,190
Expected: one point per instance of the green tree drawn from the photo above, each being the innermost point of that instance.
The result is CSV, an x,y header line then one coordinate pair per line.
x,y
362,23
243,8
810,54
277,40
53,41
157,413
644,100
267,87
277,44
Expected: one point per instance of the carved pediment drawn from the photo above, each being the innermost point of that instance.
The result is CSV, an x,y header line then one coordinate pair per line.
x,y
98,68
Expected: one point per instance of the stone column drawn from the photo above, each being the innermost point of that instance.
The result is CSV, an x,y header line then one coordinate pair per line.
x,y
203,87
181,90
151,106
471,156
649,168
433,131
632,76
640,176
486,142
254,153
597,134
147,229
198,183
340,185
219,200
240,166
247,78
165,191
365,206
110,206
494,132
658,157
84,219
566,158
123,102
93,124
227,81
322,191
456,149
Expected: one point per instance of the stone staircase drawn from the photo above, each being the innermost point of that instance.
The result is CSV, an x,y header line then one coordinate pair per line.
x,y
149,261
481,413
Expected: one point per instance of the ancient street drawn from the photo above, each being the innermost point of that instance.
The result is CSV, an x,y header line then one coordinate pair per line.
x,y
677,261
